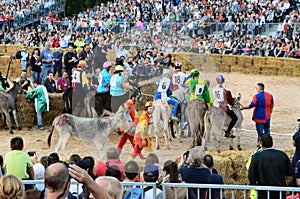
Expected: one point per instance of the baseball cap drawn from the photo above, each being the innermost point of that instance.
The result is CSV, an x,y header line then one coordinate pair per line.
x,y
151,170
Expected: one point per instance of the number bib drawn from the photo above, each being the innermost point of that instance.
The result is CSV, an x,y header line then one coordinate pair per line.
x,y
113,80
178,78
76,76
199,89
218,94
100,77
163,85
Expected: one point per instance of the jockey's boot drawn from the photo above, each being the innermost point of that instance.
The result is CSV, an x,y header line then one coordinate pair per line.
x,y
229,135
175,118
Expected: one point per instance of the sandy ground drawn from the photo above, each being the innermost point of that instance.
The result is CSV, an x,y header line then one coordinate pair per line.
x,y
285,92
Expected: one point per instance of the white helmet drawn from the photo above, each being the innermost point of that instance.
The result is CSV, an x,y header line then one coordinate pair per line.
x,y
178,65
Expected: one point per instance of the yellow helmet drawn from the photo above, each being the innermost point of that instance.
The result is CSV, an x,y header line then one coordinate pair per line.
x,y
82,63
149,104
119,68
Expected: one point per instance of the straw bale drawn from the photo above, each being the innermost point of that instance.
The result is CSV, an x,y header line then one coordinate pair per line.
x,y
3,49
259,61
246,61
27,115
275,62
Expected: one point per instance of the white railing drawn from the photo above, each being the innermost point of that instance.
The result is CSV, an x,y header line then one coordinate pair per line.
x,y
232,189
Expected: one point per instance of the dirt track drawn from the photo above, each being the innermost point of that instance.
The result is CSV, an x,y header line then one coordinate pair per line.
x,y
285,91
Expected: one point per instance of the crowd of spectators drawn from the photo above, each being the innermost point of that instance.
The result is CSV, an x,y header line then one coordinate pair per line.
x,y
15,13
228,27
19,165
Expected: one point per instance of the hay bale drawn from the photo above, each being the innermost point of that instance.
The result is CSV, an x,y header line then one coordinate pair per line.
x,y
26,113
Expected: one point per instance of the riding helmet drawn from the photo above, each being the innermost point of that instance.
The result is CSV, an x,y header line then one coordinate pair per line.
x,y
178,65
195,73
119,68
220,79
106,65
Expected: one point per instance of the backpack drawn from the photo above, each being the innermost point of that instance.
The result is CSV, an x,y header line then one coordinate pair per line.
x,y
133,193
18,54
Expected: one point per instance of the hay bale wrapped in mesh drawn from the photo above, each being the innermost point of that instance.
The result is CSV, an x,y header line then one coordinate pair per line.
x,y
3,49
148,91
27,115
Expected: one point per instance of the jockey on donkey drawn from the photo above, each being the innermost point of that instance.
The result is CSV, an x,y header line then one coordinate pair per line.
x,y
164,92
223,99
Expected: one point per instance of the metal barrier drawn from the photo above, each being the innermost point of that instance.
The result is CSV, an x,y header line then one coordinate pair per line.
x,y
233,189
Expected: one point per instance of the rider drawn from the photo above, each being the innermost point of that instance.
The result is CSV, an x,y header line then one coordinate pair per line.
x,y
79,79
223,99
164,91
178,78
141,137
117,85
130,103
104,84
198,88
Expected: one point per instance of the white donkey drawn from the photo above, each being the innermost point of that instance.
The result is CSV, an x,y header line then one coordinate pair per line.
x,y
96,130
216,121
162,115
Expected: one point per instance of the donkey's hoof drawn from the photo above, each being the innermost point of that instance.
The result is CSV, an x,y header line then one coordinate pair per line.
x,y
231,148
168,148
180,141
205,148
11,132
219,151
239,147
157,147
20,129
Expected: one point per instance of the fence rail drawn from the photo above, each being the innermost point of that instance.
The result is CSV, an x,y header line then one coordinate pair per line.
x,y
209,187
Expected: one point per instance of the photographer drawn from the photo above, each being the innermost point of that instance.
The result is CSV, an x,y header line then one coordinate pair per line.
x,y
192,171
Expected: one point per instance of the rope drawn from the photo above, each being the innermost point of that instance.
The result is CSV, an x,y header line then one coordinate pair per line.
x,y
274,133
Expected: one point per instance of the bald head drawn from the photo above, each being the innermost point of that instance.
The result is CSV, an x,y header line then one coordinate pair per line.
x,y
56,177
112,185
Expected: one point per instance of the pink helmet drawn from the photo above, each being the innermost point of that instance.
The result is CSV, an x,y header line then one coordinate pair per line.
x,y
106,65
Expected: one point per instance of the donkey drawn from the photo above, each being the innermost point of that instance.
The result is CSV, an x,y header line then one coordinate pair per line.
x,y
7,104
194,114
162,115
216,121
95,106
96,130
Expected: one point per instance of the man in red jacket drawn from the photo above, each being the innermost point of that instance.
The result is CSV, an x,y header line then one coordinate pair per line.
x,y
129,135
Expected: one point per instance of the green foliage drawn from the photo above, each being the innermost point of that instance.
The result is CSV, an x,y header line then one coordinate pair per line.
x,y
73,7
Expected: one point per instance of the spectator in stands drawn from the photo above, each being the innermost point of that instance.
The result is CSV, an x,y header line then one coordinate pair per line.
x,y
193,172
47,60
151,174
74,158
41,102
112,158
63,83
215,178
264,172
171,176
49,83
111,185
90,170
131,171
85,53
70,60
33,194
57,57
36,64
18,163
57,181
24,81
52,158
11,187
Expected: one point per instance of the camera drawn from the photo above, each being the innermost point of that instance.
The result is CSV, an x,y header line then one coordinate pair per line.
x,y
31,153
186,154
12,57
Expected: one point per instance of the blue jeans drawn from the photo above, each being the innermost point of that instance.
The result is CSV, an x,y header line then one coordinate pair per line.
x,y
45,71
24,65
40,119
175,106
36,75
262,128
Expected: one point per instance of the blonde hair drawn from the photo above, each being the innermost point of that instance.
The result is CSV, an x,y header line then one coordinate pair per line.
x,y
11,187
112,185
